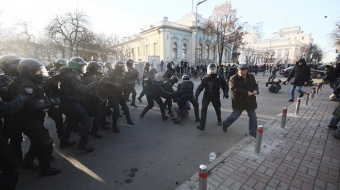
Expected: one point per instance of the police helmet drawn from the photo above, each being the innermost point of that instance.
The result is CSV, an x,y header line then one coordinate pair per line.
x,y
185,77
94,67
146,64
32,68
59,63
152,71
120,67
212,69
169,66
9,64
173,80
49,65
129,63
78,64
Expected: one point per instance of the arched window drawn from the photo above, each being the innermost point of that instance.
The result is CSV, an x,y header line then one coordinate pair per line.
x,y
184,51
174,51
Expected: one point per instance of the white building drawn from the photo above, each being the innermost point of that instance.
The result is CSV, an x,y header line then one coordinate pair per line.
x,y
284,46
172,41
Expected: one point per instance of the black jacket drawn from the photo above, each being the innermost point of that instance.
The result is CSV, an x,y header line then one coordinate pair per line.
x,y
301,75
239,88
212,85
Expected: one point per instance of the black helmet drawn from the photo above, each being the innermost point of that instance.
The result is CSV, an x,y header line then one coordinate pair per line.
x,y
59,63
49,65
152,72
212,69
129,63
169,66
173,80
185,77
94,67
9,64
120,67
146,64
32,68
77,63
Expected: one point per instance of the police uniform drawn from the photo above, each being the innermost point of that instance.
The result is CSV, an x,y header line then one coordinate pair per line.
x,y
185,92
152,87
211,85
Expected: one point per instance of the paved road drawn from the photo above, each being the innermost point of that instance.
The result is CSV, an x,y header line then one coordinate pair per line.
x,y
152,154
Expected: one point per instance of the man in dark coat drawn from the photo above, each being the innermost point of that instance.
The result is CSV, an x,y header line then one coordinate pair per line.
x,y
301,74
243,89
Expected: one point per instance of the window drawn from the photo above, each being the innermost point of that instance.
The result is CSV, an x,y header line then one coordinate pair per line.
x,y
146,50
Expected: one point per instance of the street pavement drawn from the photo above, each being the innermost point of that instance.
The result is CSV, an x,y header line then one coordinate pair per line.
x,y
303,155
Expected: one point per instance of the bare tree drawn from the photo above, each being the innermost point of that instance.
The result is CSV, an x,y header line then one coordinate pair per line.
x,y
223,24
69,30
335,35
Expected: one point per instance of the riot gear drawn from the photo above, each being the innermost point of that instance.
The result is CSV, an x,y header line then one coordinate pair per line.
x,y
173,80
169,66
212,69
185,77
78,64
59,63
9,64
146,64
32,68
153,72
129,63
49,66
94,67
120,67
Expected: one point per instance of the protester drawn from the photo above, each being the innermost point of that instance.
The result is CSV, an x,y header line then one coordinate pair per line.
x,y
244,90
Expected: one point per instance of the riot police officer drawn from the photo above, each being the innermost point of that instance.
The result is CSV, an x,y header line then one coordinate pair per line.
x,y
130,77
169,71
9,164
152,87
92,101
30,119
51,89
169,93
116,76
71,91
145,74
211,85
185,91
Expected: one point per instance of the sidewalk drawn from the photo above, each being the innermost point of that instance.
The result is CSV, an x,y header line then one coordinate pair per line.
x,y
303,155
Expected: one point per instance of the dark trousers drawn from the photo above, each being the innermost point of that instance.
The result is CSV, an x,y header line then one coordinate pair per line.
x,y
114,102
215,100
151,98
41,142
188,97
57,116
130,89
9,165
75,115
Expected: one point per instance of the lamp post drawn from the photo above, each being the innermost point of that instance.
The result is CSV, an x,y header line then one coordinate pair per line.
x,y
198,3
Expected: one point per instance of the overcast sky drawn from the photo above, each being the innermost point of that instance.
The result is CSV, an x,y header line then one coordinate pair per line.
x,y
126,17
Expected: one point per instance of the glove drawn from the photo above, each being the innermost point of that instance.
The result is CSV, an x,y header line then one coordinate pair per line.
x,y
225,96
285,82
55,101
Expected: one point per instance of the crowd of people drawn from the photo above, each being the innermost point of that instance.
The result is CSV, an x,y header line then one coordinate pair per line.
x,y
80,96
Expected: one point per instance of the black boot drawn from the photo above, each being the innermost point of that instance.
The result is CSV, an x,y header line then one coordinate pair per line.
x,y
200,127
164,117
29,165
129,121
140,99
49,171
115,129
84,146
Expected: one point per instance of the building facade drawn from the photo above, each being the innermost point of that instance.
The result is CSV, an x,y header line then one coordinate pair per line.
x,y
172,41
284,46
